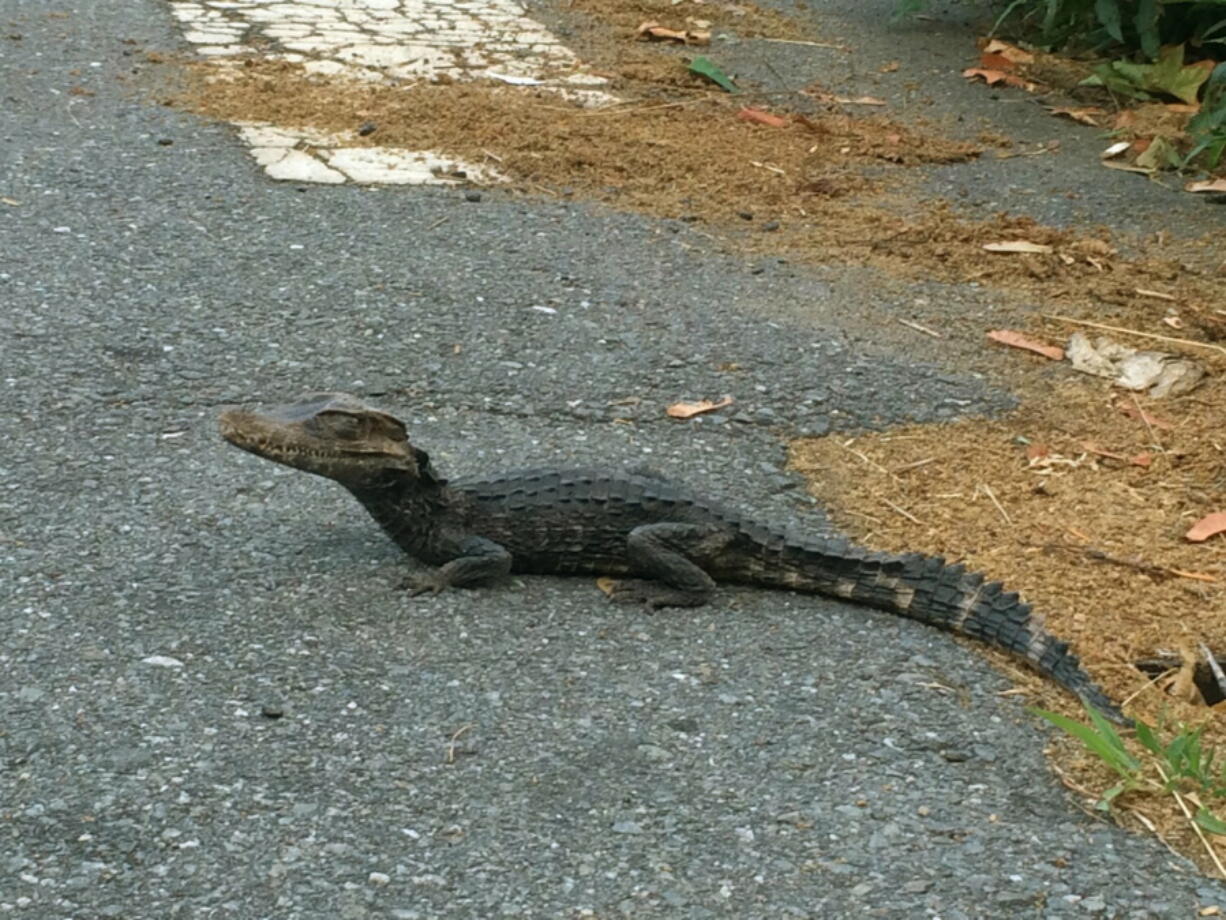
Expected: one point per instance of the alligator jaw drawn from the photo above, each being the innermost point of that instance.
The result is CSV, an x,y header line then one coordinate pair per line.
x,y
330,434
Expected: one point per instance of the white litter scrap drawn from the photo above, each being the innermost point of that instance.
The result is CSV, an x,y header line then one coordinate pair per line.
x,y
1160,373
398,41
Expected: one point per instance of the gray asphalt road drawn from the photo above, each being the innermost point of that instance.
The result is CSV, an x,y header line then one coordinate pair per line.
x,y
216,704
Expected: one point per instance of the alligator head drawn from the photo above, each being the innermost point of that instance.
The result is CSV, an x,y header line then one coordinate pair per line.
x,y
333,435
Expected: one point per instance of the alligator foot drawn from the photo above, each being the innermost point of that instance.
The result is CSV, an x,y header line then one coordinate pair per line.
x,y
654,595
430,583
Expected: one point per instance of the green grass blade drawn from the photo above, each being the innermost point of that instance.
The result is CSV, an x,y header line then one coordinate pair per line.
x,y
704,66
1210,822
1110,752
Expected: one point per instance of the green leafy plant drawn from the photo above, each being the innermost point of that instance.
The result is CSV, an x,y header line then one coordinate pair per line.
x,y
1133,25
705,67
1169,75
1208,127
1180,766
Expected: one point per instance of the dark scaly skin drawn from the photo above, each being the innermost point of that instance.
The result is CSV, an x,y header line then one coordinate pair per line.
x,y
676,544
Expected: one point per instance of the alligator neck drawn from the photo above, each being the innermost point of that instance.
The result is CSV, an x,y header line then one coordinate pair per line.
x,y
407,509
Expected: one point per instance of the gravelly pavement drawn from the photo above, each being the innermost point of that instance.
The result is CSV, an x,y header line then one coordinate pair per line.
x,y
216,704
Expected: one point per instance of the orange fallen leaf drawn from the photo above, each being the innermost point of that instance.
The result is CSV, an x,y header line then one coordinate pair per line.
x,y
992,77
762,118
1206,185
1037,451
1152,420
653,31
995,62
690,409
1010,52
1020,340
1143,460
1087,115
1206,527
1017,246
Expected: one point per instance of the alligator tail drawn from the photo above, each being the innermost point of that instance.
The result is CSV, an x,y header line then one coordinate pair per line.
x,y
927,589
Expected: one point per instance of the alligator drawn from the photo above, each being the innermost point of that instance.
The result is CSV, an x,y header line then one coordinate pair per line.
x,y
670,545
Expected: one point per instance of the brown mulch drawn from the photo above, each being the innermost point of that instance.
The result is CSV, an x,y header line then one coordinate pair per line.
x,y
1081,505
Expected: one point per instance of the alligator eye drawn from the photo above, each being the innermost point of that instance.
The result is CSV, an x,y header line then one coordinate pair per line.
x,y
341,425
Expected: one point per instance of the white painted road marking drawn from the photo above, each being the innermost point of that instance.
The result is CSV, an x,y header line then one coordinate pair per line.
x,y
390,41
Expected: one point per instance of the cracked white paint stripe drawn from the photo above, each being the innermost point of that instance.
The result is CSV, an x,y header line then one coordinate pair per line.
x,y
393,41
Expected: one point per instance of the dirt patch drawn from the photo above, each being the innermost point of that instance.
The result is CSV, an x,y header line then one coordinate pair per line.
x,y
693,157
824,187
1081,506
743,19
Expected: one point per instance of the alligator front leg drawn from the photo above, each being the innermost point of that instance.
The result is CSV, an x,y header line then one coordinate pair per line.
x,y
477,560
670,555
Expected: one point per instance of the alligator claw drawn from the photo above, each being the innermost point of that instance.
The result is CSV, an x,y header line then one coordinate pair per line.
x,y
651,594
423,584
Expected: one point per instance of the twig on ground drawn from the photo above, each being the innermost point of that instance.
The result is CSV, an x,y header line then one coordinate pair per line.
x,y
987,490
455,739
1144,335
918,328
1191,820
1218,674
875,465
796,41
914,466
904,512
1153,437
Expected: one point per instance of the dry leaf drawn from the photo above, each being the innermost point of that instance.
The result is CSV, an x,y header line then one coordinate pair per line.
x,y
1206,185
1093,247
1115,150
1153,421
1143,460
11,202
992,77
1087,116
606,585
1127,167
1020,340
859,100
995,62
890,67
653,31
1017,246
1183,685
690,409
1206,527
1037,451
762,118
1009,52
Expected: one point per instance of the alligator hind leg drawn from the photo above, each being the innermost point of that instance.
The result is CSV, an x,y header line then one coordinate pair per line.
x,y
667,554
